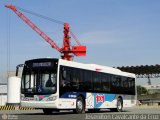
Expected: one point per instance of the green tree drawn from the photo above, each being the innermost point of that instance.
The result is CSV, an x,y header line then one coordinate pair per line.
x,y
141,90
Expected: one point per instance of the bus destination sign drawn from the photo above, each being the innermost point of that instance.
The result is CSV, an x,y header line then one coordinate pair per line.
x,y
42,64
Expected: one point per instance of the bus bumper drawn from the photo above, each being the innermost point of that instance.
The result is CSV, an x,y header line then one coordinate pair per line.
x,y
40,104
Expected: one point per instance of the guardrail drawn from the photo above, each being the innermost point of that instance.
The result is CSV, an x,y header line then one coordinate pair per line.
x,y
149,102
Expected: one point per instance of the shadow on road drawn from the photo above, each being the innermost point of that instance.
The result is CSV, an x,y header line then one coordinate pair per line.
x,y
72,113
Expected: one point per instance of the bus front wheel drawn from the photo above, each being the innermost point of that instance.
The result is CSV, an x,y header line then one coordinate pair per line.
x,y
80,108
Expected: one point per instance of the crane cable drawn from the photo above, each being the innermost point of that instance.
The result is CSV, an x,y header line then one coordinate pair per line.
x,y
41,16
8,43
49,19
75,38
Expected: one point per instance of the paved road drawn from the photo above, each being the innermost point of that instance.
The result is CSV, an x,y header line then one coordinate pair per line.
x,y
133,113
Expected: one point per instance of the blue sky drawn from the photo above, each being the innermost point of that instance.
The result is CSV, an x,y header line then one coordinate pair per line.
x,y
116,32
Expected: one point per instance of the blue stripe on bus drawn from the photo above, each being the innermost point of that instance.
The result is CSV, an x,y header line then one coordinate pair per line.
x,y
99,98
73,95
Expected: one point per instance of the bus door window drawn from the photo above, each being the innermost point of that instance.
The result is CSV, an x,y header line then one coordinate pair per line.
x,y
65,77
62,77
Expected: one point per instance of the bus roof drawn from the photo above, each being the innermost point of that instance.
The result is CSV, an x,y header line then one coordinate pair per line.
x,y
95,67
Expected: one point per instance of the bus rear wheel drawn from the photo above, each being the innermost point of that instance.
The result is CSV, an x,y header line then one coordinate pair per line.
x,y
80,108
119,106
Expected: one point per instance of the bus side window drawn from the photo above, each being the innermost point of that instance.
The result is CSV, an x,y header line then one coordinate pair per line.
x,y
75,79
105,82
68,77
97,81
87,81
62,76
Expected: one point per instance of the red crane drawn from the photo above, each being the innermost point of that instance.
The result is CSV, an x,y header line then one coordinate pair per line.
x,y
67,50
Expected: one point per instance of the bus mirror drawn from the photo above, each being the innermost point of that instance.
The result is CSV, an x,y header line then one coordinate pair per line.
x,y
17,68
64,74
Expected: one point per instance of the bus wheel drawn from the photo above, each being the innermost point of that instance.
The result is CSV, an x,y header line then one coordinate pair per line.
x,y
47,111
80,105
119,106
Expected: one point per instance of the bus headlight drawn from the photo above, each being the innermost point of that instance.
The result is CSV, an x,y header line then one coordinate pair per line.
x,y
52,98
24,98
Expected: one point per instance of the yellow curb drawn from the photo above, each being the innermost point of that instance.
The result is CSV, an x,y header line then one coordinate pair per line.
x,y
11,107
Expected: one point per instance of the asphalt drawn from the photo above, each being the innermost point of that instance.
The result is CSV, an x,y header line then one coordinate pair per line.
x,y
136,113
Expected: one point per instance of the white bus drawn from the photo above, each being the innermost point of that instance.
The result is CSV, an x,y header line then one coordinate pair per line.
x,y
55,84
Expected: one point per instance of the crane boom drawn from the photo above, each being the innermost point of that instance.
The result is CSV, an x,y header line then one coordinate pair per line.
x,y
34,27
66,49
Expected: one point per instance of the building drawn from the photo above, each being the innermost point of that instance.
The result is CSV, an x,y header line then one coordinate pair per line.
x,y
3,87
3,94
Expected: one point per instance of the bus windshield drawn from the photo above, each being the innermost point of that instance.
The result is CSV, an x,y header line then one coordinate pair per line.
x,y
39,80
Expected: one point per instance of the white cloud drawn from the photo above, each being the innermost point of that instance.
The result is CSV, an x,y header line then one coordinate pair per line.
x,y
103,37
